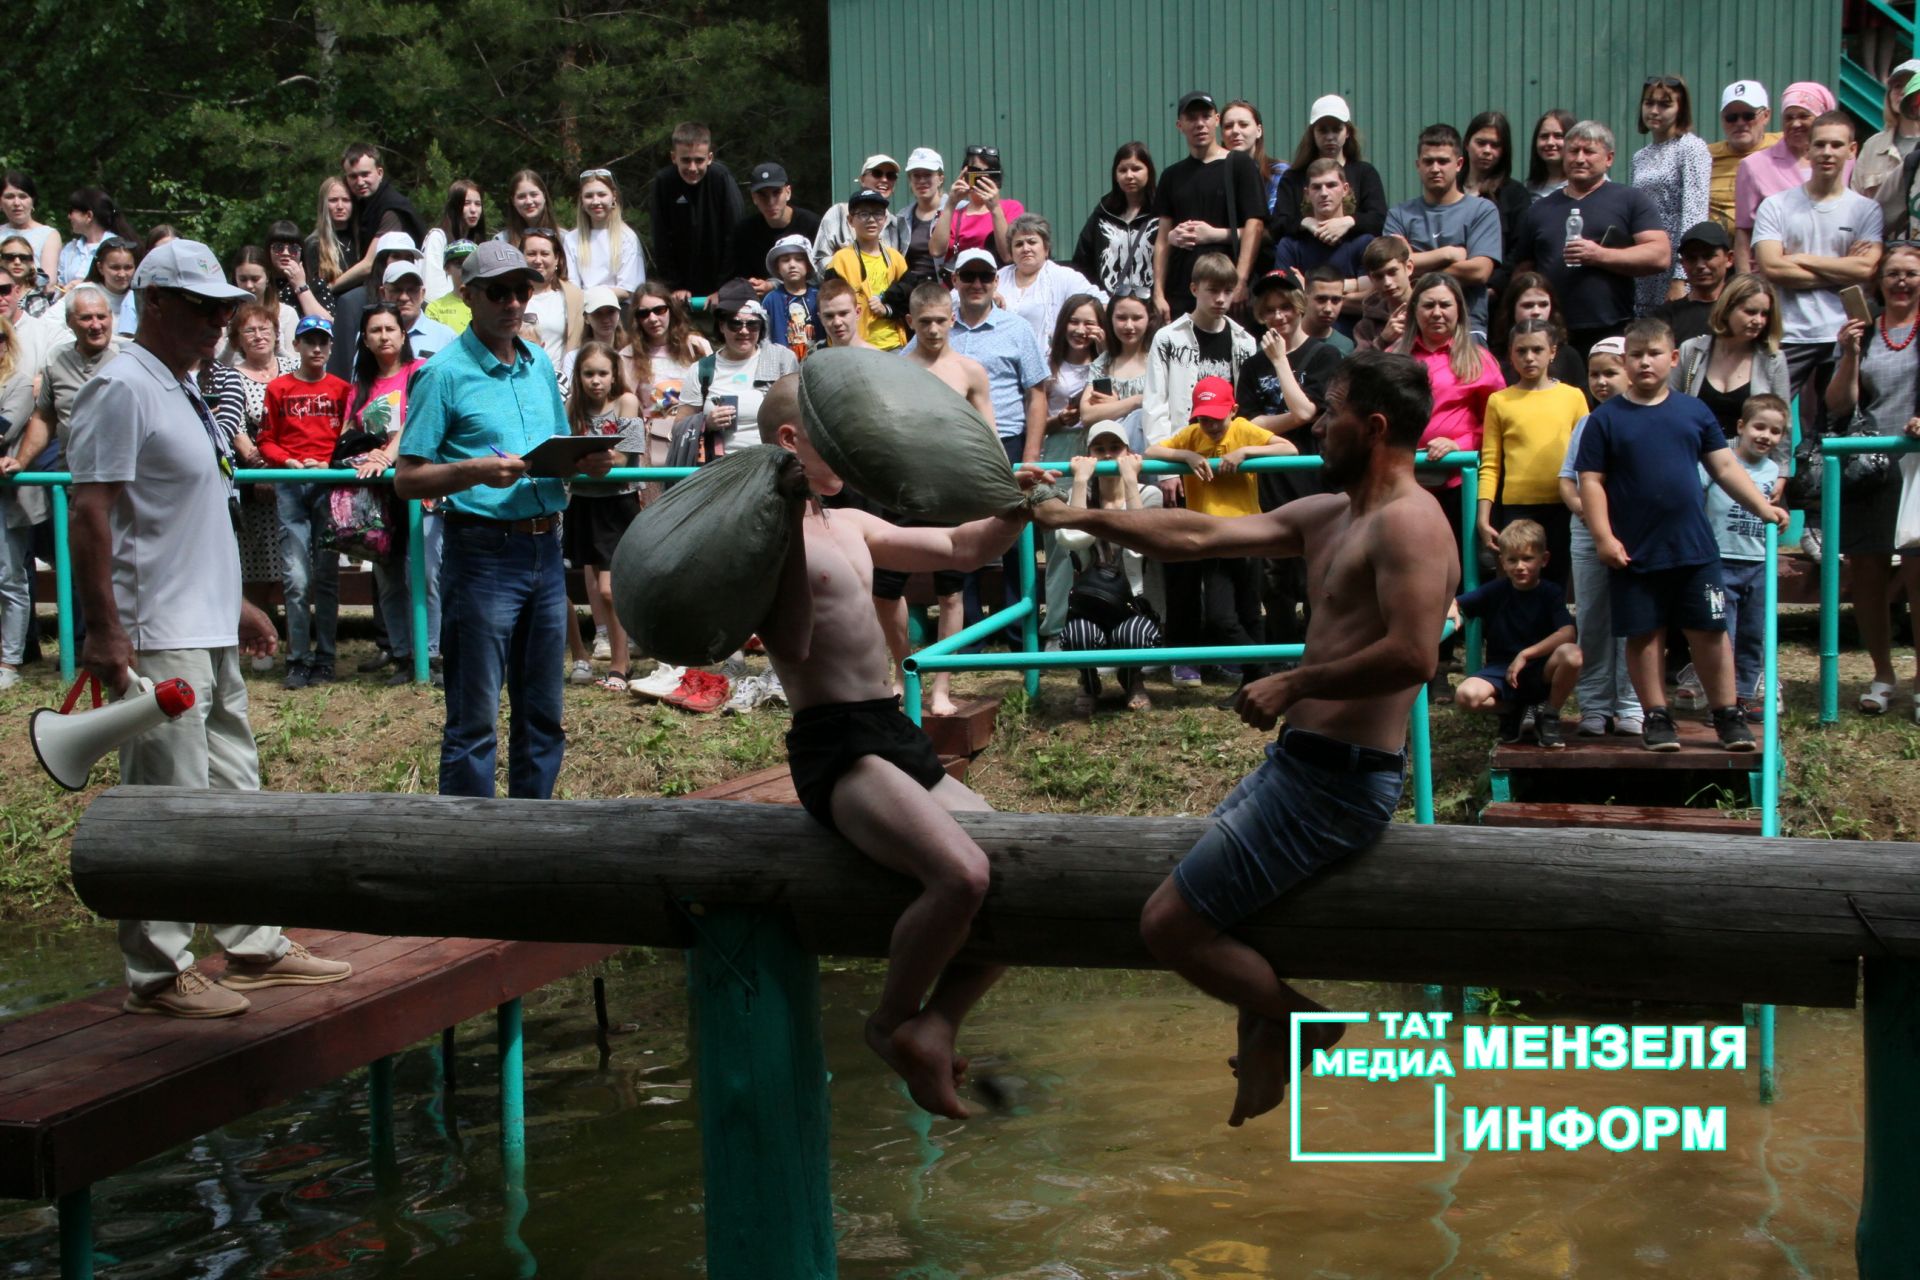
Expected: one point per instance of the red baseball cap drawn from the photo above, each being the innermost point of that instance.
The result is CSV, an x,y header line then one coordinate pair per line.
x,y
1213,398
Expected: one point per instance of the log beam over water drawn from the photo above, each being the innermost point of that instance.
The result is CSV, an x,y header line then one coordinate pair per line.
x,y
1618,913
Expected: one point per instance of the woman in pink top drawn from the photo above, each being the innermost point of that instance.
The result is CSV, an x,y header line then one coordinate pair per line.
x,y
1774,169
976,215
1464,377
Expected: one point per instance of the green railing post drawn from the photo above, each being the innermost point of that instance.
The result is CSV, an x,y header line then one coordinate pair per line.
x,y
910,694
417,588
1470,559
1420,748
762,1093
1030,592
75,1210
1830,588
63,584
1884,1244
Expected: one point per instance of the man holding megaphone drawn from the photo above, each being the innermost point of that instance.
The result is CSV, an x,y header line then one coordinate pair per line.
x,y
158,575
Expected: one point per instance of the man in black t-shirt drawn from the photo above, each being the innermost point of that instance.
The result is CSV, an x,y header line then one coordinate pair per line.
x,y
1211,202
693,205
1621,239
1706,253
1262,396
774,218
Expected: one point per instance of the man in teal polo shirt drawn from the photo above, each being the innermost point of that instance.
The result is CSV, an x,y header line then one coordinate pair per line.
x,y
473,410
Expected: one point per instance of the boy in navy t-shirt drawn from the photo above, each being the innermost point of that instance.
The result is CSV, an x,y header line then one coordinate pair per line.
x,y
1532,658
1642,499
793,304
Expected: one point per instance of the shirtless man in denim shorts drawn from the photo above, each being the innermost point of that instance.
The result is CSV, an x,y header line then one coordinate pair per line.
x,y
1381,569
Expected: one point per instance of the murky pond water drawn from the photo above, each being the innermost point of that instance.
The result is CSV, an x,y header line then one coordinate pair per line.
x,y
1110,1159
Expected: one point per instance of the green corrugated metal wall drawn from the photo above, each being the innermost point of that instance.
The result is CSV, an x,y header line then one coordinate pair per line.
x,y
1058,84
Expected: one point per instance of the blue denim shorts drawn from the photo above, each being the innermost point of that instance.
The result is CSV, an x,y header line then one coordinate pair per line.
x,y
1286,820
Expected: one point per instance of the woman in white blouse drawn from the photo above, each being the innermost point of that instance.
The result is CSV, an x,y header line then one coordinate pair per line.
x,y
1676,169
1033,286
555,317
601,248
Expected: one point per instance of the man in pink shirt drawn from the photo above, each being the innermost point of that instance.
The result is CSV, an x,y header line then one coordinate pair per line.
x,y
1779,167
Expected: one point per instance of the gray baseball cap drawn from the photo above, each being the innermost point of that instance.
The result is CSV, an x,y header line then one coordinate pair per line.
x,y
189,266
493,259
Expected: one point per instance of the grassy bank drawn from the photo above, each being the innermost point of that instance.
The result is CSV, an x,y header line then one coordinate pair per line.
x,y
1859,779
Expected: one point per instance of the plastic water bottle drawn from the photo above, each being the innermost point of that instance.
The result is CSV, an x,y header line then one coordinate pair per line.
x,y
1575,225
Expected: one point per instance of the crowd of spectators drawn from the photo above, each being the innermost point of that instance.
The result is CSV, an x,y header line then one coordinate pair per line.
x,y
1228,266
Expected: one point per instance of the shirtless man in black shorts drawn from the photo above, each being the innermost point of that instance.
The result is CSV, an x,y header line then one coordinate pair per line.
x,y
865,770
1381,569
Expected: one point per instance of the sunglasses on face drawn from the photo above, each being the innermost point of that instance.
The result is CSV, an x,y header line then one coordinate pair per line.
x,y
741,326
661,310
975,277
219,309
1740,117
6,289
16,257
518,290
1662,82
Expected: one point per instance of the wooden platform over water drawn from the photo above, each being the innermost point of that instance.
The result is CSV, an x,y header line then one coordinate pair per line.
x,y
87,1090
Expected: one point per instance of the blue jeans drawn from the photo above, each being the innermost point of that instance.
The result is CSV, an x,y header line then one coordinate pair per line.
x,y
504,606
1286,821
309,572
392,581
1746,622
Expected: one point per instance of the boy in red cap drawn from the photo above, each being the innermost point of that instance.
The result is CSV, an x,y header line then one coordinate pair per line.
x,y
1216,601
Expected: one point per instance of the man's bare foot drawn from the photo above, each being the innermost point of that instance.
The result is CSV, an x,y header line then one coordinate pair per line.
x,y
941,705
1139,701
920,1051
1263,1064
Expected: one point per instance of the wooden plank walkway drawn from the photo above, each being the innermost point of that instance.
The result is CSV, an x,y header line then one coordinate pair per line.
x,y
86,1090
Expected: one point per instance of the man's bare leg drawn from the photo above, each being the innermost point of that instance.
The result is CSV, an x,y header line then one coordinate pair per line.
x,y
952,614
903,826
1228,969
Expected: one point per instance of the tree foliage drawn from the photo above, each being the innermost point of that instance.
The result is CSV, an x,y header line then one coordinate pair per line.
x,y
223,115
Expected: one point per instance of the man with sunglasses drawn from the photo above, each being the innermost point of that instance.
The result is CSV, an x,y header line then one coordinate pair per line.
x,y
157,571
1744,116
473,412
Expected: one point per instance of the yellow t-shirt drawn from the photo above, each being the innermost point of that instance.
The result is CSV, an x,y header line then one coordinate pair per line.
x,y
1237,494
1720,190
1525,440
877,272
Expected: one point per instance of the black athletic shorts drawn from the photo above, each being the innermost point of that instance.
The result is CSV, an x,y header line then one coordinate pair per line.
x,y
828,740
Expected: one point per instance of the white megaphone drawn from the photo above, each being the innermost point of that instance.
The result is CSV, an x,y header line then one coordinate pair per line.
x,y
68,744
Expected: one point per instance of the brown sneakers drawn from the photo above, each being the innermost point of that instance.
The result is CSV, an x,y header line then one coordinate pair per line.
x,y
299,967
192,995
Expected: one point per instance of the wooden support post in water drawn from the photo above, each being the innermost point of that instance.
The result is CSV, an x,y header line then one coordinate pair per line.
x,y
380,1123
762,1092
1884,1247
75,1211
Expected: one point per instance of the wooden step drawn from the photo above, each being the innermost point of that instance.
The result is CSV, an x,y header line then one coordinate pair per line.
x,y
1518,813
1699,749
967,731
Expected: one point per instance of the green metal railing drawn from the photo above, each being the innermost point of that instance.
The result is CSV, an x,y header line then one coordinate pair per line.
x,y
1834,450
59,481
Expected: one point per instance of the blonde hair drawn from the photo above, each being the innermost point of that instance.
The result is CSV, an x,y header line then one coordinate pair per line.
x,y
327,246
1463,353
10,358
583,225
1738,289
1521,537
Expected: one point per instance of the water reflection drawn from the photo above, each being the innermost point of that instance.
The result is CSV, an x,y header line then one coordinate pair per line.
x,y
1106,1159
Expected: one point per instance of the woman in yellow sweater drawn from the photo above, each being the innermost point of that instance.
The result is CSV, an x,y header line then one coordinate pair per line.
x,y
1527,427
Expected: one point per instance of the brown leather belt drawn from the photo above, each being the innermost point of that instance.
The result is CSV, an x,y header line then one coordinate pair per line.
x,y
537,525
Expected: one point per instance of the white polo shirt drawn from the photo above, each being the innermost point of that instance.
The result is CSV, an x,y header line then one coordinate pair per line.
x,y
176,563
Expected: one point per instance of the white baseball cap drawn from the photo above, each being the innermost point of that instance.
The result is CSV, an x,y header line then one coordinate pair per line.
x,y
598,298
926,158
189,266
1908,69
1754,94
1330,104
396,242
972,256
786,245
401,269
1110,427
875,161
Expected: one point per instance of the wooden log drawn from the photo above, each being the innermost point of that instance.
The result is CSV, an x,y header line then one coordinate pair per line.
x,y
1616,913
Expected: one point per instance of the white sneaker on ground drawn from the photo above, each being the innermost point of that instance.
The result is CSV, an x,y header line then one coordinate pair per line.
x,y
735,667
8,677
663,681
748,694
581,672
775,691
602,646
1594,724
1688,693
1629,727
